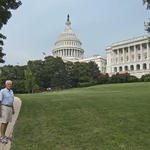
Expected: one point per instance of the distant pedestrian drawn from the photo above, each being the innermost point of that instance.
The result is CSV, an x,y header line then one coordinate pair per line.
x,y
6,109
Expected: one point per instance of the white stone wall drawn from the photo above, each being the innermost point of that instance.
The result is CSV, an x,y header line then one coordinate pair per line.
x,y
132,56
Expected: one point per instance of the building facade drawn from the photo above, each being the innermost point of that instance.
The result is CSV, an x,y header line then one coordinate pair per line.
x,y
68,47
130,56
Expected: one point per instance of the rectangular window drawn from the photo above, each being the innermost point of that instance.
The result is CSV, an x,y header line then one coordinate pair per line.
x,y
121,59
145,55
139,56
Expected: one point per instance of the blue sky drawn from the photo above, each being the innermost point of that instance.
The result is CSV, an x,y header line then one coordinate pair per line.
x,y
36,25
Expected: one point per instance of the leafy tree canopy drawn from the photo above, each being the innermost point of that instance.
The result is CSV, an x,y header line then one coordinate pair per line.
x,y
147,2
5,14
5,7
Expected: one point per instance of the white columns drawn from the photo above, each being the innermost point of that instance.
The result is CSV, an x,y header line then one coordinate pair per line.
x,y
148,51
68,52
71,52
135,53
74,53
119,56
129,54
123,55
141,52
117,60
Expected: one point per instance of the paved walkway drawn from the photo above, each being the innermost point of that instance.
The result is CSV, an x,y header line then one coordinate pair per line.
x,y
9,132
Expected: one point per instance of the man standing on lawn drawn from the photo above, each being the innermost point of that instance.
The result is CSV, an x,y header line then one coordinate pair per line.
x,y
6,109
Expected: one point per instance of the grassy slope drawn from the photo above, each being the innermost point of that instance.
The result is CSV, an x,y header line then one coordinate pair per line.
x,y
103,117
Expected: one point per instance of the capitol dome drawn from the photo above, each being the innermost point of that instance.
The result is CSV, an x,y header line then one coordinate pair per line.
x,y
68,46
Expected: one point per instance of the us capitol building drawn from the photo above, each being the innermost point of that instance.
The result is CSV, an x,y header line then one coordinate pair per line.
x,y
130,56
68,47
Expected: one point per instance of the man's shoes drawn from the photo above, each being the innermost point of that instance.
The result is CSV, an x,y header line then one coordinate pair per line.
x,y
8,138
3,140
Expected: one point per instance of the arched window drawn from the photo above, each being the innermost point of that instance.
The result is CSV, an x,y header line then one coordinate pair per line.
x,y
139,56
144,66
121,59
132,57
137,67
145,55
120,69
132,67
115,69
126,68
127,58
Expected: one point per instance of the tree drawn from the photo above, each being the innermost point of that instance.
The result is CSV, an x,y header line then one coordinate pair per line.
x,y
37,69
85,74
1,49
5,14
80,73
14,73
55,73
94,71
147,2
29,80
69,75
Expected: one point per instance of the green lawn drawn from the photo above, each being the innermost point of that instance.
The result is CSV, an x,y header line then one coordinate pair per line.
x,y
103,117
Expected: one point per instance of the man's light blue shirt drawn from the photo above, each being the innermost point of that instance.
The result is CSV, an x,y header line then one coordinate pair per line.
x,y
6,97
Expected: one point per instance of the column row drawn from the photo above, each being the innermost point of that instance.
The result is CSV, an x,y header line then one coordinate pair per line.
x,y
131,54
69,53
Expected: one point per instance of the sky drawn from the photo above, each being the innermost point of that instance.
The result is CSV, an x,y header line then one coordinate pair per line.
x,y
35,26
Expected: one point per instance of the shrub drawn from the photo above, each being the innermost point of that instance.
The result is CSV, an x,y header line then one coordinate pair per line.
x,y
145,78
103,78
122,78
133,79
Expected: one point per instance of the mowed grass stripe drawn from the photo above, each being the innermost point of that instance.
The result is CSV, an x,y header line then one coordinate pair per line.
x,y
102,117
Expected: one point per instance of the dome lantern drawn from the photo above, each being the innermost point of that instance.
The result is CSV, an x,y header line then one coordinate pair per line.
x,y
68,23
